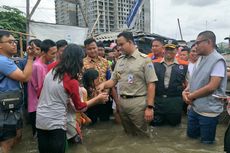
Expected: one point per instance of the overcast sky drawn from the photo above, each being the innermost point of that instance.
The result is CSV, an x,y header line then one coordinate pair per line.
x,y
195,16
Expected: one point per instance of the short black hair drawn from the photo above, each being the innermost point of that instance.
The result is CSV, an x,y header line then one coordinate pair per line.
x,y
209,35
47,44
194,44
127,35
89,41
37,42
88,80
61,43
71,63
100,44
185,48
159,40
4,33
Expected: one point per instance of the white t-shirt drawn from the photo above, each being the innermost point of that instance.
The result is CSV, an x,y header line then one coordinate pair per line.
x,y
219,69
190,68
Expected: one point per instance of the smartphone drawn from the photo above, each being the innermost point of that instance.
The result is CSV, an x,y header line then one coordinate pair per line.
x,y
220,96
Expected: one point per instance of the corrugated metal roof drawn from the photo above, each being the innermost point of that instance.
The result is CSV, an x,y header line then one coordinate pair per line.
x,y
107,36
111,36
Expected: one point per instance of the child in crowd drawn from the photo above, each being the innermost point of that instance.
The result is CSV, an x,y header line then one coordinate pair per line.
x,y
90,80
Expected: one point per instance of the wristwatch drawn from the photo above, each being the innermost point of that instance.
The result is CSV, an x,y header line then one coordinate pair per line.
x,y
150,106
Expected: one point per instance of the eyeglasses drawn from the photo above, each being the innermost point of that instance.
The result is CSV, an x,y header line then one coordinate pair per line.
x,y
198,42
11,42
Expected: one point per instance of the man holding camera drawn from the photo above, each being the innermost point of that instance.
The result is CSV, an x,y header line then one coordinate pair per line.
x,y
10,78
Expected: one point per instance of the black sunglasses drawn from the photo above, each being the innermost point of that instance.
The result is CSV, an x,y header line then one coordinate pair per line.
x,y
198,42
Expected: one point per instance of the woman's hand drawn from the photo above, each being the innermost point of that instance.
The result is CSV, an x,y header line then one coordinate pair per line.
x,y
103,97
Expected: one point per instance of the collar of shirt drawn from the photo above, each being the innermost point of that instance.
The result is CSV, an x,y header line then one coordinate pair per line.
x,y
39,60
134,54
93,59
174,62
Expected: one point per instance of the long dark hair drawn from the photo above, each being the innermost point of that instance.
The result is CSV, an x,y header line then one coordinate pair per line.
x,y
88,81
71,62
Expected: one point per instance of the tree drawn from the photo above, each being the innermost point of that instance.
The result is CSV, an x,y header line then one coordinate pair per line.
x,y
223,48
12,19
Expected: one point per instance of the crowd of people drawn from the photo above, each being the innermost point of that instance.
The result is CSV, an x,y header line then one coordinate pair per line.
x,y
64,87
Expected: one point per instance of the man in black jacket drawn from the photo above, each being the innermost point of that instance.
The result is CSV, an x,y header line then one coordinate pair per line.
x,y
171,75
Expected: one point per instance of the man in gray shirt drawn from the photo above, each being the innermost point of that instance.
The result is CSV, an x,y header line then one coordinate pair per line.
x,y
208,79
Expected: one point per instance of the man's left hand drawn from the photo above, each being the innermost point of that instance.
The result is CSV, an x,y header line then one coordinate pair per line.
x,y
148,114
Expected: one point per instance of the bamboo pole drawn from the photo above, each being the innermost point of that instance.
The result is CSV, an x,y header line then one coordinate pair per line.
x,y
25,34
21,45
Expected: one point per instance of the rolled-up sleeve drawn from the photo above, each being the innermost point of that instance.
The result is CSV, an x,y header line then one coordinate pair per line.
x,y
114,76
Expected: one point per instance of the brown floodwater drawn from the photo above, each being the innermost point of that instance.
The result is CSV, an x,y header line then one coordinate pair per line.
x,y
107,137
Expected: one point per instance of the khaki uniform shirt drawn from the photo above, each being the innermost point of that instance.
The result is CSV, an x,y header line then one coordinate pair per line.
x,y
133,73
169,71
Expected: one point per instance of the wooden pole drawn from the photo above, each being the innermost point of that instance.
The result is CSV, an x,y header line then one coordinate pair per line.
x,y
83,15
77,2
26,34
33,10
94,25
27,19
21,45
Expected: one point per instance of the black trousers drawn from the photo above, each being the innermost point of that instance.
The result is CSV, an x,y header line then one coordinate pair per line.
x,y
51,141
167,111
101,111
227,140
32,117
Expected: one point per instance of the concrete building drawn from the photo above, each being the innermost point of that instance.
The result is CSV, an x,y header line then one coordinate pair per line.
x,y
106,15
65,13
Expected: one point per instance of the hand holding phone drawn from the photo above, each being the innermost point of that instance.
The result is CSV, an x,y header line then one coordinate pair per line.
x,y
220,96
223,98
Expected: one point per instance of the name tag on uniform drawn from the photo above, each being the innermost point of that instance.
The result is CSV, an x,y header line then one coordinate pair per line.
x,y
130,78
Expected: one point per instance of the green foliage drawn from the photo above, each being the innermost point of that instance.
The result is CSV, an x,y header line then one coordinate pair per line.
x,y
227,50
223,48
12,19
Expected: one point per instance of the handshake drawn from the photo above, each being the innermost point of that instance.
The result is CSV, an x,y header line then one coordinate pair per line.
x,y
103,97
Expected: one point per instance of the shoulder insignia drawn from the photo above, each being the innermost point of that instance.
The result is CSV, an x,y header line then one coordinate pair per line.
x,y
121,56
143,55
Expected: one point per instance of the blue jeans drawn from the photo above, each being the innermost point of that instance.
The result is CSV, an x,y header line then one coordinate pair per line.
x,y
201,126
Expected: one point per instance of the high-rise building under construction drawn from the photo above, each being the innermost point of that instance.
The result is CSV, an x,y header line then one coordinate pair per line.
x,y
101,15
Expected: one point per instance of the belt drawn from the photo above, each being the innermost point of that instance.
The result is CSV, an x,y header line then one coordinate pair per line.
x,y
164,96
167,96
129,96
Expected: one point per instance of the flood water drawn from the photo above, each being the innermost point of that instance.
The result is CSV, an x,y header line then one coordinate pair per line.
x,y
108,137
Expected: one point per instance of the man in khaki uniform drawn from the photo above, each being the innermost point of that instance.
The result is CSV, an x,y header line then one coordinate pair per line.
x,y
135,74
